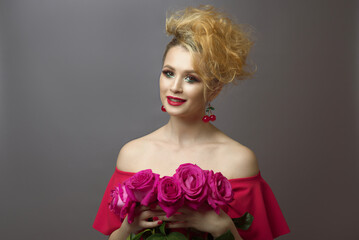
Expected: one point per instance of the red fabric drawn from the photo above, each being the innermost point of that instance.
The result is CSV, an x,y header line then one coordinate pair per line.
x,y
251,194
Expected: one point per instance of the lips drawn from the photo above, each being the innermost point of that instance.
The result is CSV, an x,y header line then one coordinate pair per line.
x,y
174,101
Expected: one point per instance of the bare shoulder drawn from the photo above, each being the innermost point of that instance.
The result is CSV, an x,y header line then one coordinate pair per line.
x,y
130,154
240,160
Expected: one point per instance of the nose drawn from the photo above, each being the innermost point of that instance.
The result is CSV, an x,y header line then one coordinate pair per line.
x,y
177,85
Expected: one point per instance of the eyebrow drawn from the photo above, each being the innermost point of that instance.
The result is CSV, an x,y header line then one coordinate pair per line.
x,y
186,71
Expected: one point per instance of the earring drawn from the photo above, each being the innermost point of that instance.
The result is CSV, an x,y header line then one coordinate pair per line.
x,y
163,109
209,116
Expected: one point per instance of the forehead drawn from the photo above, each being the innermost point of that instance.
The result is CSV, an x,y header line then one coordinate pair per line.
x,y
179,58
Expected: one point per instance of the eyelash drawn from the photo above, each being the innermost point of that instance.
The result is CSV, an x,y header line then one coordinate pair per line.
x,y
166,73
169,74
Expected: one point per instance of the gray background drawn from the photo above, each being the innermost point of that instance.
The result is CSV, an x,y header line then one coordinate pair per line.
x,y
80,78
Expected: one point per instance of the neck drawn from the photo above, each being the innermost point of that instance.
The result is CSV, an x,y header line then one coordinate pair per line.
x,y
186,132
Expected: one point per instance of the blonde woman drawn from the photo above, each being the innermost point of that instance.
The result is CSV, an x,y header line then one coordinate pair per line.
x,y
207,52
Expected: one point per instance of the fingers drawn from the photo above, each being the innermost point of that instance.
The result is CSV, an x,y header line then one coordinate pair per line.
x,y
141,209
186,210
173,218
175,221
145,212
149,224
146,217
144,222
177,225
151,214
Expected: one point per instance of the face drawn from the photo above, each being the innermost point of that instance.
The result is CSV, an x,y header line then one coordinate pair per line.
x,y
181,89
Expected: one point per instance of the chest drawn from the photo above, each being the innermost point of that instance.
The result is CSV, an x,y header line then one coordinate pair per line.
x,y
164,159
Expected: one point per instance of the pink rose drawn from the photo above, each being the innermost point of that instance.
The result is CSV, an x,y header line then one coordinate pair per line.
x,y
121,204
193,183
129,210
169,196
220,190
119,198
141,187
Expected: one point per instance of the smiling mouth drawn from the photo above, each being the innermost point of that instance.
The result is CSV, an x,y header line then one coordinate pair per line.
x,y
175,101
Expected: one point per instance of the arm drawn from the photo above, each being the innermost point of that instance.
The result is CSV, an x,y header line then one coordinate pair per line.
x,y
228,225
120,234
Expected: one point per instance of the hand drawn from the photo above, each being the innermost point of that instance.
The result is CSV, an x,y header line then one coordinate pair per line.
x,y
141,220
204,219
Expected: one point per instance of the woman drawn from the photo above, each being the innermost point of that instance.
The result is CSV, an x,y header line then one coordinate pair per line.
x,y
207,52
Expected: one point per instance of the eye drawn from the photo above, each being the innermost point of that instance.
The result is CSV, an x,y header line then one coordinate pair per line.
x,y
168,74
191,79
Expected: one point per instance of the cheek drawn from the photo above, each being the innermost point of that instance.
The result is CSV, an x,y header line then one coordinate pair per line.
x,y
163,89
162,85
196,93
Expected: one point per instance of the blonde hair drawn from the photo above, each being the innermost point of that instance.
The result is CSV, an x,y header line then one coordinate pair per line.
x,y
219,47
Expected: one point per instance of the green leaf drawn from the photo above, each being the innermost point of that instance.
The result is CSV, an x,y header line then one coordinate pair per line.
x,y
131,236
226,236
157,236
162,228
176,236
139,235
243,222
212,108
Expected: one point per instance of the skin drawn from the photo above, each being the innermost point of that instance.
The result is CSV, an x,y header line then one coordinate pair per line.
x,y
184,139
178,79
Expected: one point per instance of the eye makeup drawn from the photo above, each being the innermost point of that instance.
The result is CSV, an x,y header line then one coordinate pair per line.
x,y
187,78
191,79
168,73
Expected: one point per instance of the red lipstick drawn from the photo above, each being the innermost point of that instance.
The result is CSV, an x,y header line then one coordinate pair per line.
x,y
175,101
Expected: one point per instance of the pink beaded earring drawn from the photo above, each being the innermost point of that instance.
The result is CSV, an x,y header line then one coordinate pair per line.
x,y
209,116
163,109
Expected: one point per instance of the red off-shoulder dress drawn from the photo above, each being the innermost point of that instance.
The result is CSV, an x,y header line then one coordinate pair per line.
x,y
251,194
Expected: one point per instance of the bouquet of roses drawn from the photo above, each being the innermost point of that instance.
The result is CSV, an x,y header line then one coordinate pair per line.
x,y
190,186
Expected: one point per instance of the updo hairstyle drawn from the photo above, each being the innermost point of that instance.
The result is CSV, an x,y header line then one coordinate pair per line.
x,y
219,47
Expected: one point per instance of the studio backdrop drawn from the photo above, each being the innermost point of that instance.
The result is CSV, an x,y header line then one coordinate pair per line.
x,y
79,79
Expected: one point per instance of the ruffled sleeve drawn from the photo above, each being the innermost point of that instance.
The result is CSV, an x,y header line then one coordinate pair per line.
x,y
107,221
254,195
